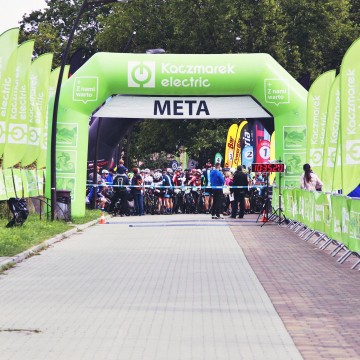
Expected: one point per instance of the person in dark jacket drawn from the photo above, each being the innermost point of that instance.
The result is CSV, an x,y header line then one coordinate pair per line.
x,y
240,179
121,182
136,190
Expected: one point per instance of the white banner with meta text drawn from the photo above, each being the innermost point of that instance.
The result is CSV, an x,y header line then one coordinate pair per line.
x,y
184,107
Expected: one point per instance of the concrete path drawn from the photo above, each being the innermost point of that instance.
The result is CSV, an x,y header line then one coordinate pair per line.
x,y
160,287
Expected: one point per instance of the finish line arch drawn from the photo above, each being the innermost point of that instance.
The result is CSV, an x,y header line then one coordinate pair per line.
x,y
172,75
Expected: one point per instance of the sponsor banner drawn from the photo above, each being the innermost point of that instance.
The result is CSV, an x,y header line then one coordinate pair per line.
x,y
3,195
237,154
8,52
308,207
319,211
350,118
261,143
38,97
339,229
25,184
331,137
275,198
288,203
218,158
53,79
354,232
327,213
298,205
318,99
9,183
18,183
40,181
337,216
18,111
247,145
31,177
150,107
230,145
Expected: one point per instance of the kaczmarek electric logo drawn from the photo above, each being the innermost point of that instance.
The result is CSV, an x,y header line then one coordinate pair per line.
x,y
141,74
352,155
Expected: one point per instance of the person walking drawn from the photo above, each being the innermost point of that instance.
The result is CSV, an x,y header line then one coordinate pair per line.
x,y
240,180
309,180
217,180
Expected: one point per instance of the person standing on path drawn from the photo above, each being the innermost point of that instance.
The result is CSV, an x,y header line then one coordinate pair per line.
x,y
217,180
136,190
241,180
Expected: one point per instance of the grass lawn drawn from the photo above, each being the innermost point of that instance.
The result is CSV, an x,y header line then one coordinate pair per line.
x,y
34,231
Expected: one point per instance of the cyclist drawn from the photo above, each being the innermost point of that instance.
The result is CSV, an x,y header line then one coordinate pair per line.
x,y
148,179
168,184
205,182
159,190
120,182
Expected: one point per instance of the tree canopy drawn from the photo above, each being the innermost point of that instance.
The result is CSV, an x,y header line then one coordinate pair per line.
x,y
306,37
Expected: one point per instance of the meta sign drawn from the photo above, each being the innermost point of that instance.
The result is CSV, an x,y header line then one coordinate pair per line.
x,y
185,107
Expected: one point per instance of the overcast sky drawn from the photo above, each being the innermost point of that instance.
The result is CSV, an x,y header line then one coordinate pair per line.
x,y
12,11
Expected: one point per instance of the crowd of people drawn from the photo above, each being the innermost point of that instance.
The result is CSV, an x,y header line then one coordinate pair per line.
x,y
210,190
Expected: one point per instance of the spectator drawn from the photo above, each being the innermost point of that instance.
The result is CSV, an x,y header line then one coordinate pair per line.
x,y
136,190
241,180
309,180
217,180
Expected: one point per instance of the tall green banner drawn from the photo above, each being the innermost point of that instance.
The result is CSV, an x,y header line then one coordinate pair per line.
x,y
39,95
331,137
18,109
317,108
53,79
8,47
350,118
337,178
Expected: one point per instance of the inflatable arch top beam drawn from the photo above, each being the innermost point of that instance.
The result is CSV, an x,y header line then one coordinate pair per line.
x,y
106,74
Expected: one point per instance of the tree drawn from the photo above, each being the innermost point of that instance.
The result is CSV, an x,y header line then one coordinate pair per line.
x,y
51,27
305,37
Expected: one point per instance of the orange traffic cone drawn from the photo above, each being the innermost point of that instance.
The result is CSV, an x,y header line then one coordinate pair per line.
x,y
102,218
264,219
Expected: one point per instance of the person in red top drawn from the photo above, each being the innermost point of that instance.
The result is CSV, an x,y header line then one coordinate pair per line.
x,y
195,181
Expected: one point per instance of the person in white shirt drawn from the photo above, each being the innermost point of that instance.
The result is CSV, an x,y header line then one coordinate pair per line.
x,y
309,180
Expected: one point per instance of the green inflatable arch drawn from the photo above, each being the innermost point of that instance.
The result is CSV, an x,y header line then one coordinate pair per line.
x,y
107,74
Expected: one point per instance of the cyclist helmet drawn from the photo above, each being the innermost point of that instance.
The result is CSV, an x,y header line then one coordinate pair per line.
x,y
157,176
169,170
147,171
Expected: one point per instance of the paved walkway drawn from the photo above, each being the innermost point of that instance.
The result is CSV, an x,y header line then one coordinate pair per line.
x,y
180,287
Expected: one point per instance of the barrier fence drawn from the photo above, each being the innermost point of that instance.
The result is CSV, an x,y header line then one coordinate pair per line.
x,y
335,218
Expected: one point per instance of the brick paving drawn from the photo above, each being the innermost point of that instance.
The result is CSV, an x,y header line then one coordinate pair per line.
x,y
317,298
